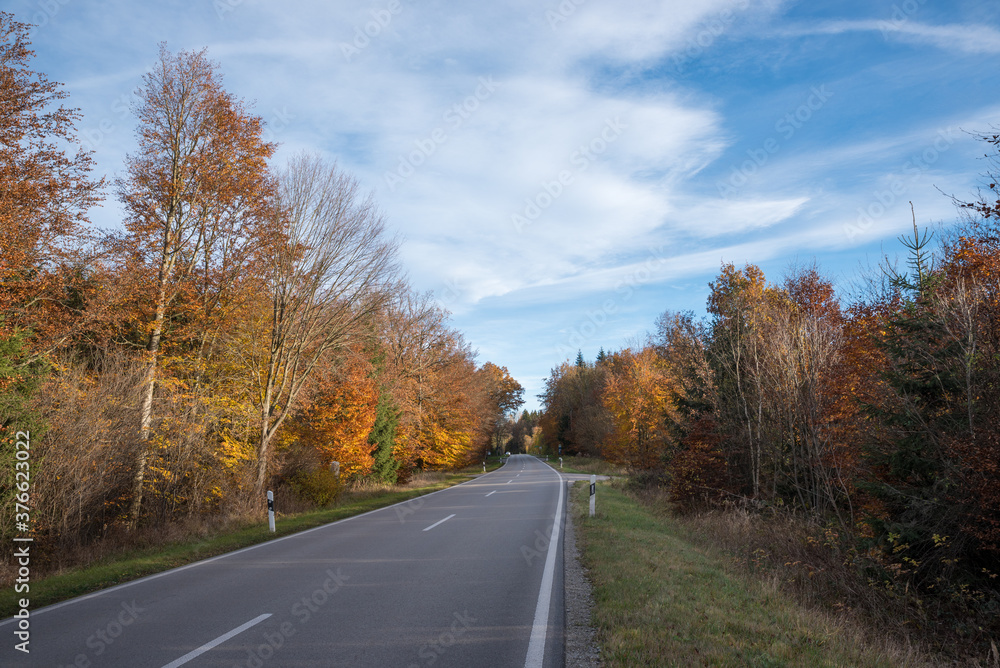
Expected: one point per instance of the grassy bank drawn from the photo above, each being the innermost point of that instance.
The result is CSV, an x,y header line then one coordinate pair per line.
x,y
662,601
129,565
587,465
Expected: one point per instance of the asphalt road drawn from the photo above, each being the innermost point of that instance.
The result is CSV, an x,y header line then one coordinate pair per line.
x,y
468,576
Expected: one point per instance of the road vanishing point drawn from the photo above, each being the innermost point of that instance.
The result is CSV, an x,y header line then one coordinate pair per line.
x,y
467,576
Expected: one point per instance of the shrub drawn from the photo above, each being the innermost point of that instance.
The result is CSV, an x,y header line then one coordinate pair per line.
x,y
319,486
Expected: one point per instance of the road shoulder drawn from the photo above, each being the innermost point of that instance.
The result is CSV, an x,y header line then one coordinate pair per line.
x,y
581,646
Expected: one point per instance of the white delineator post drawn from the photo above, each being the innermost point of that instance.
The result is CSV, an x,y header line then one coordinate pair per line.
x,y
560,462
593,495
270,510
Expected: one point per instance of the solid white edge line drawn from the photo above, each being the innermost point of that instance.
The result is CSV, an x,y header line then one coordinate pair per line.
x,y
439,522
539,629
154,576
218,641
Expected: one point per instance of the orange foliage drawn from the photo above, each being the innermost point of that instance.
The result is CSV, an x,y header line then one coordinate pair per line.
x,y
199,202
972,306
448,408
857,385
637,394
574,418
455,420
699,470
44,195
341,415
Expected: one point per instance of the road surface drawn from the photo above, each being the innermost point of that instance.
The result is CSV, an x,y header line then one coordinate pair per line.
x,y
468,576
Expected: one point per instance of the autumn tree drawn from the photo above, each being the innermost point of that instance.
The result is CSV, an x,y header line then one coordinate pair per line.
x,y
448,407
417,342
698,469
639,396
45,193
804,344
574,417
197,199
775,359
933,461
341,413
736,304
969,301
915,476
327,283
457,413
523,431
505,397
682,342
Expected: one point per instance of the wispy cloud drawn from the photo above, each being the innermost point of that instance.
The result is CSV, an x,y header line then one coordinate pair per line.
x,y
978,39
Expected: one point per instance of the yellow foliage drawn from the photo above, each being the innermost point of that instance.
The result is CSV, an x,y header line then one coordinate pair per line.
x,y
637,395
233,452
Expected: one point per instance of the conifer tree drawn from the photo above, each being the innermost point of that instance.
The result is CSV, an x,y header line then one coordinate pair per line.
x,y
383,439
20,376
918,477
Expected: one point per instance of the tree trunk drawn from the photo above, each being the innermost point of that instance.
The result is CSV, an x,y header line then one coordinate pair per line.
x,y
148,389
262,447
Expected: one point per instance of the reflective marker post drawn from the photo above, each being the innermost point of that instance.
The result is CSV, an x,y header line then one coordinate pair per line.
x,y
593,495
270,510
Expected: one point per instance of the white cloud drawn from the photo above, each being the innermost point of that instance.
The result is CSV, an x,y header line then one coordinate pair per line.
x,y
714,218
951,37
554,174
641,30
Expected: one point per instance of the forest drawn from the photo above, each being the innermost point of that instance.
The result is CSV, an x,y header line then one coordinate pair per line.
x,y
246,326
871,417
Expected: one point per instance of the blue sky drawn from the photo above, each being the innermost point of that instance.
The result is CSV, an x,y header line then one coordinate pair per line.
x,y
562,172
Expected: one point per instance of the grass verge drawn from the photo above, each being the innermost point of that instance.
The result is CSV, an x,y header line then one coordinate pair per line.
x,y
123,567
662,601
587,465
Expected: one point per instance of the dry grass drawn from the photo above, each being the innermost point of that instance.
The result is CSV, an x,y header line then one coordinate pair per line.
x,y
816,566
365,488
588,465
665,599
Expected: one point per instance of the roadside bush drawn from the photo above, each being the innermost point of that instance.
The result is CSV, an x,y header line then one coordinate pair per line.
x,y
319,486
85,460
